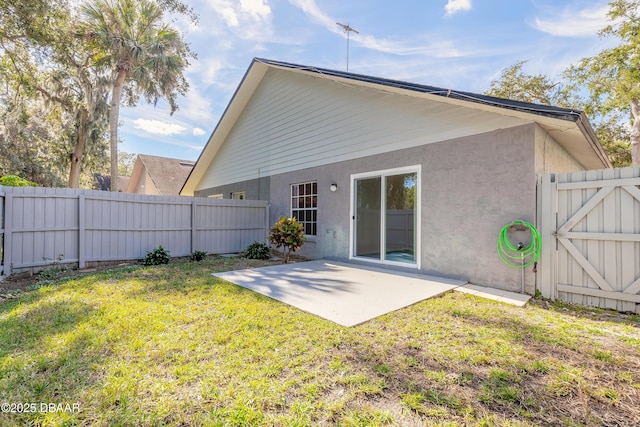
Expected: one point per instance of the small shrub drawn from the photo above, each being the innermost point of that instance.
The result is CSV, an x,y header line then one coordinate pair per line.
x,y
54,269
198,256
257,250
288,234
157,256
16,181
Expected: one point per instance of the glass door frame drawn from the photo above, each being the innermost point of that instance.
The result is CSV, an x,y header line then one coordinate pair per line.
x,y
417,169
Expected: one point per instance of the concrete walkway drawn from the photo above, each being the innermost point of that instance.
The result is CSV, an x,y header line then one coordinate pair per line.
x,y
506,297
343,293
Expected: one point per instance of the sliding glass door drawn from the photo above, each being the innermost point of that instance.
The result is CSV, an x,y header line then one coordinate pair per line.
x,y
368,216
385,216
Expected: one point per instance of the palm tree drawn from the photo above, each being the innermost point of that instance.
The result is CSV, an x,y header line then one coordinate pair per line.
x,y
144,54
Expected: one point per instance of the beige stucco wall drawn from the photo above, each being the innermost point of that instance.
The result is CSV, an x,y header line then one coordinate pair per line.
x,y
470,188
551,157
145,185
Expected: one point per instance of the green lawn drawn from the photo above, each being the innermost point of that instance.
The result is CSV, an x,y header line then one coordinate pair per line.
x,y
174,346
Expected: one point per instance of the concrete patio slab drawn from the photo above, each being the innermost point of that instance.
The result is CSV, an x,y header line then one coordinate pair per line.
x,y
343,293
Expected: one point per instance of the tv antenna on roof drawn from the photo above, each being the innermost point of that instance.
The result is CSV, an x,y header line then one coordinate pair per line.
x,y
347,29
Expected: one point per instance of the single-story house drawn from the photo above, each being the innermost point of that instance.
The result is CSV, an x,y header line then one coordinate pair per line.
x,y
396,174
160,176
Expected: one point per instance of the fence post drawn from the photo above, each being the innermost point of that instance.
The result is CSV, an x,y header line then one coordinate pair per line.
x,y
266,222
6,267
194,205
82,256
547,226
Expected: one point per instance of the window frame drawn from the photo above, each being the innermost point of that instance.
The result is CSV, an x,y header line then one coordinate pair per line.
x,y
383,174
303,198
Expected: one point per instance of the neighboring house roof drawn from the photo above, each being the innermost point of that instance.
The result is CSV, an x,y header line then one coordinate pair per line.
x,y
159,175
570,128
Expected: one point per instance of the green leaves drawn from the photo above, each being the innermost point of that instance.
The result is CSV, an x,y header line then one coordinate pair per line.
x,y
131,41
605,86
612,77
514,84
16,181
257,250
158,256
287,233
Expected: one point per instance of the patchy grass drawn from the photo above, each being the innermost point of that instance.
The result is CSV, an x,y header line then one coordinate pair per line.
x,y
172,345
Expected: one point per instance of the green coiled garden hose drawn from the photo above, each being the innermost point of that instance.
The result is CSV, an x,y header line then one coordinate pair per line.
x,y
526,255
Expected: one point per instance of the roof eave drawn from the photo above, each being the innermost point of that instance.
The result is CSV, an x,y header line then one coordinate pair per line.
x,y
592,139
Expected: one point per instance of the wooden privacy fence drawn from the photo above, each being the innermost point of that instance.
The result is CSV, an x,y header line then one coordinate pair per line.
x,y
590,228
42,226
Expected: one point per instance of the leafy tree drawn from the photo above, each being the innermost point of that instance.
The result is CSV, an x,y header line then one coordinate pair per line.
x,y
144,54
31,138
612,77
54,100
514,83
16,181
126,161
43,64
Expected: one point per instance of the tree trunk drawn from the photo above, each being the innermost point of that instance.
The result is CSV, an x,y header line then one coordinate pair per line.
x,y
114,113
635,133
78,152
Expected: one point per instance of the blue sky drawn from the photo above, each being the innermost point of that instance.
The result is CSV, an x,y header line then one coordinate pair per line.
x,y
456,44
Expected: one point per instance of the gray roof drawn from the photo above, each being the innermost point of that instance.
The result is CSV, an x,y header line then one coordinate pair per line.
x,y
168,175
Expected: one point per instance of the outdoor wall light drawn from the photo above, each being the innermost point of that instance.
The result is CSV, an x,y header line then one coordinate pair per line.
x,y
334,187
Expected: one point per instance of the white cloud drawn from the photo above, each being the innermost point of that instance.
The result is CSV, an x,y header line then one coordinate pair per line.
x,y
312,10
229,16
158,127
428,46
455,6
572,22
238,12
206,70
199,132
259,9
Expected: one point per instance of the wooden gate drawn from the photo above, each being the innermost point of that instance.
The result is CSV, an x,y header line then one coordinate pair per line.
x,y
590,227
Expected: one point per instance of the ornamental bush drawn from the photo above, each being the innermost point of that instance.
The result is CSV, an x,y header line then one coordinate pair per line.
x,y
288,234
157,256
198,256
257,250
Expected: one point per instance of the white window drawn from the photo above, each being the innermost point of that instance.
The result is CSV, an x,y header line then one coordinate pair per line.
x,y
304,206
239,195
216,196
